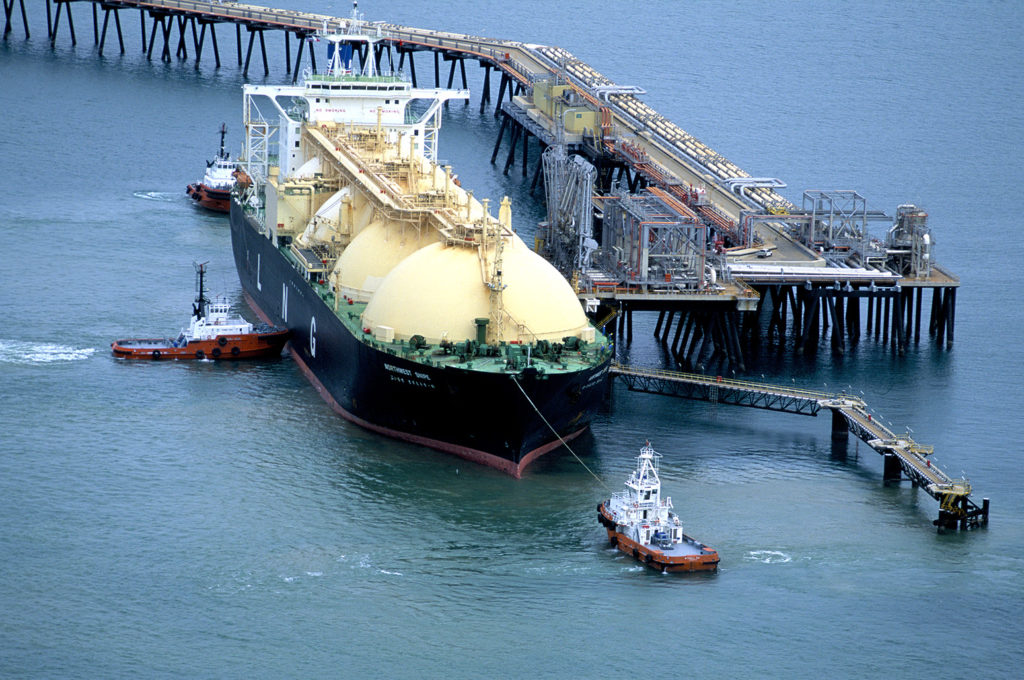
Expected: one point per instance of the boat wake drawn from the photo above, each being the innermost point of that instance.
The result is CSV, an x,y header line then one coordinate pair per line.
x,y
769,556
164,196
21,352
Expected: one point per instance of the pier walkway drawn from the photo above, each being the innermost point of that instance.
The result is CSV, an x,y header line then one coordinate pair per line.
x,y
904,457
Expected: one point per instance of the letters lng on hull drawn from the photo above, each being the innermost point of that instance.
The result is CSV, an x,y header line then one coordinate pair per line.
x,y
467,340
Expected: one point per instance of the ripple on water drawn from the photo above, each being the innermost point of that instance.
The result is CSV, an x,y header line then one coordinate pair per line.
x,y
23,352
163,196
769,556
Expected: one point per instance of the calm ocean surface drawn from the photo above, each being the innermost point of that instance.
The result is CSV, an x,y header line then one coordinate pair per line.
x,y
208,520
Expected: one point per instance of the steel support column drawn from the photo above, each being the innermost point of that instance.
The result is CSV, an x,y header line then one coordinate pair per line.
x,y
199,43
505,84
263,51
917,315
103,37
497,142
8,10
248,54
510,160
216,50
298,56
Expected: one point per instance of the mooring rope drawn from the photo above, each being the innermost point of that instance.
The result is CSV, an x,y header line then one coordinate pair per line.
x,y
564,443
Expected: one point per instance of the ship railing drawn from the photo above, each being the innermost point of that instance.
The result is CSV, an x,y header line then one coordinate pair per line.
x,y
356,78
523,331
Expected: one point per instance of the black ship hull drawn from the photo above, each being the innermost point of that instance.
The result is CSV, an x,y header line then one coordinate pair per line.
x,y
481,416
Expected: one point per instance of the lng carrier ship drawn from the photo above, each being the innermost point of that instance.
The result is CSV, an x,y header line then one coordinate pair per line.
x,y
414,311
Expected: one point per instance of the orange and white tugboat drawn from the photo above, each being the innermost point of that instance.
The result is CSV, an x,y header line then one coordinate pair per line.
x,y
641,523
213,333
213,192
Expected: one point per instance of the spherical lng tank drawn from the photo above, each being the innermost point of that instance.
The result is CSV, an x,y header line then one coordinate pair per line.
x,y
439,291
374,252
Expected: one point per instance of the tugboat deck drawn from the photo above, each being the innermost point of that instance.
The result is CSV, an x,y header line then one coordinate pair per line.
x,y
147,343
684,549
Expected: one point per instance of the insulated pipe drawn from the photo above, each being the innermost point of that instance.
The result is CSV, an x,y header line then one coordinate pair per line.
x,y
605,91
737,184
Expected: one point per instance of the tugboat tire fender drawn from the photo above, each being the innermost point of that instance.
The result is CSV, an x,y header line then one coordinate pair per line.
x,y
215,352
235,351
156,354
200,354
222,341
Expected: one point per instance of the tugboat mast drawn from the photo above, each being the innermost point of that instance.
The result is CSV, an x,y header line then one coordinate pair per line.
x,y
223,131
199,308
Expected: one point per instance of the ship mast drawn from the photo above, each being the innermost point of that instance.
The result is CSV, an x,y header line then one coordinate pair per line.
x,y
223,131
343,47
496,283
202,302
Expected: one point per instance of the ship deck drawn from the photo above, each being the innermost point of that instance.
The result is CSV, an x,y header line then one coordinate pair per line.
x,y
684,549
146,343
503,360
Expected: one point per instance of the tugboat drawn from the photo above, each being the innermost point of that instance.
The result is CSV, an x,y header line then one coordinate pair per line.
x,y
641,523
213,333
214,191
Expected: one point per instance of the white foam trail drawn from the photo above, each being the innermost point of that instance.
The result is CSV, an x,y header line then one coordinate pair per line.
x,y
164,196
769,556
21,352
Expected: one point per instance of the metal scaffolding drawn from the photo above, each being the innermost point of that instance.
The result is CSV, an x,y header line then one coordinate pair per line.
x,y
645,242
838,223
568,186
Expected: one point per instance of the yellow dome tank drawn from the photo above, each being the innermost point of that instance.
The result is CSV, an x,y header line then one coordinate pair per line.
x,y
439,290
374,252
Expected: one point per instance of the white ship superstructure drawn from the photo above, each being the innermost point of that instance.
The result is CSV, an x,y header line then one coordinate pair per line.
x,y
640,522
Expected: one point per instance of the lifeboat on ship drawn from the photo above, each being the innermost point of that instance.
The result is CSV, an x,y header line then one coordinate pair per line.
x,y
641,523
213,333
213,192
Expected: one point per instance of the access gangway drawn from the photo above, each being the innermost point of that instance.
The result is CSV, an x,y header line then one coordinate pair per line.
x,y
904,457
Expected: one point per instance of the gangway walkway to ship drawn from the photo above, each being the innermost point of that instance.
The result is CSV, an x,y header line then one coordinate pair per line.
x,y
904,458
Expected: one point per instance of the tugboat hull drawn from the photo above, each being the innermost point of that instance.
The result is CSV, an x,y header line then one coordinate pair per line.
x,y
216,200
490,417
234,347
690,555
